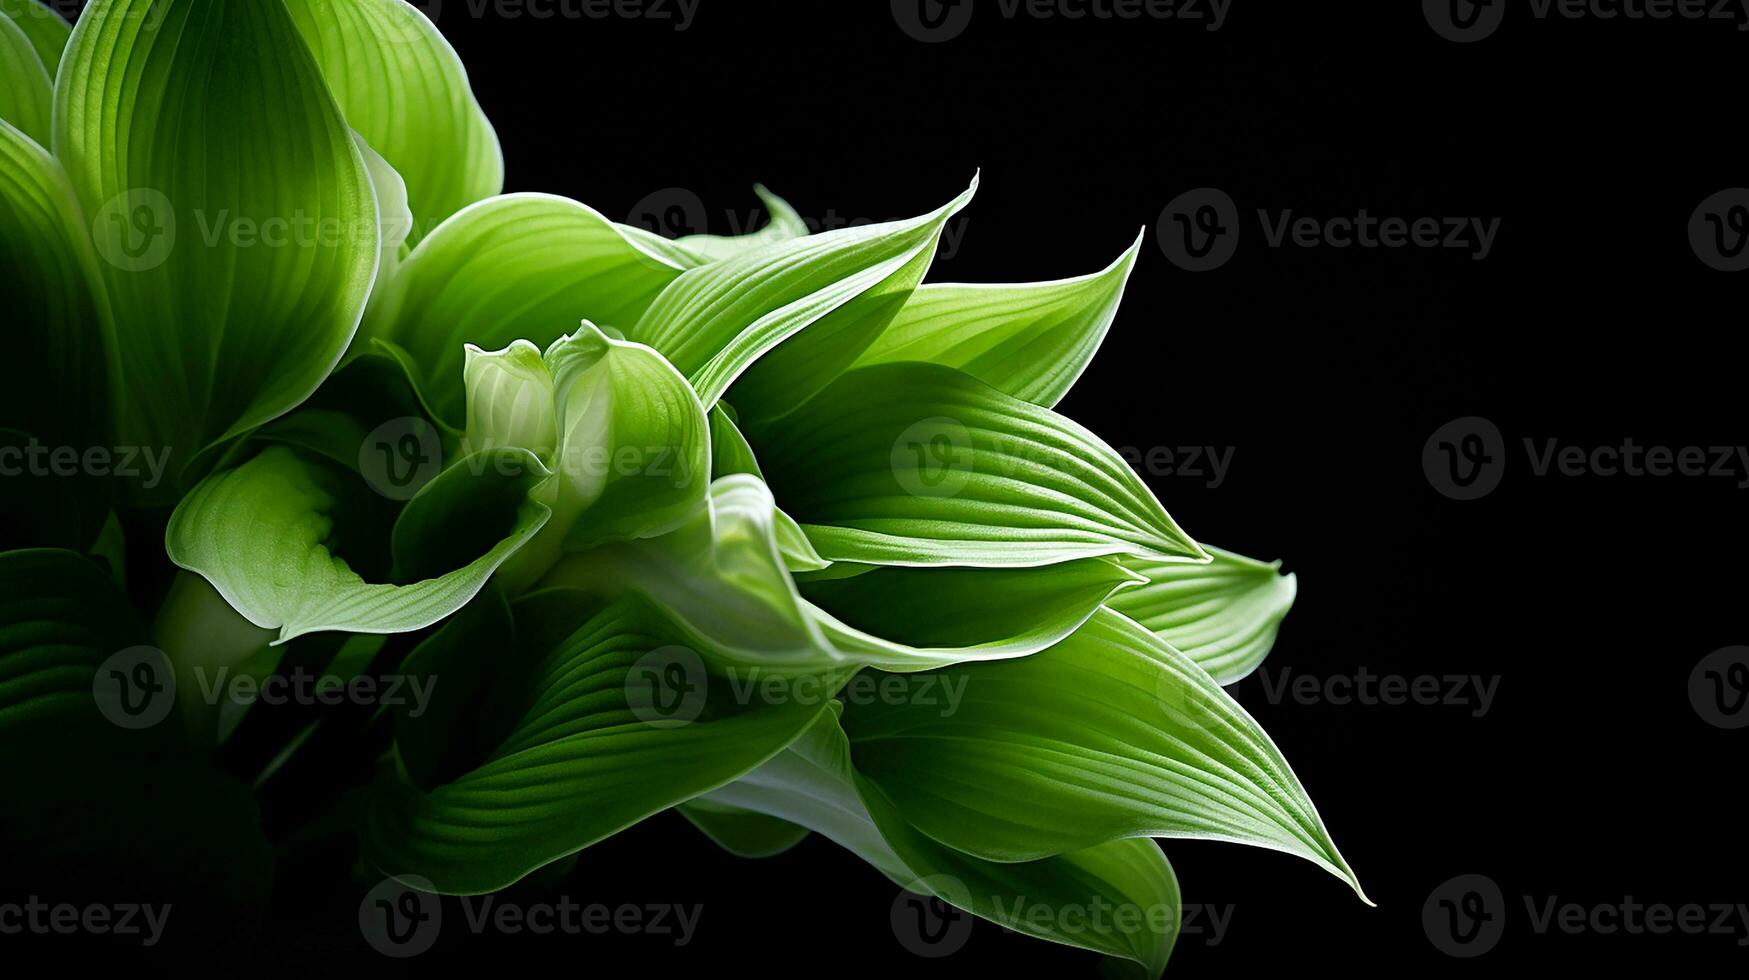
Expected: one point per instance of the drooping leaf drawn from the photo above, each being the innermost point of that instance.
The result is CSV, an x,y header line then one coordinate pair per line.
x,y
26,87
520,267
1223,615
62,618
619,721
1110,733
918,464
721,577
714,322
814,784
261,534
742,833
1030,340
919,618
233,209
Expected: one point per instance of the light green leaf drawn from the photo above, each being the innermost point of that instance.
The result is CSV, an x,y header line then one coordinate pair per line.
x,y
510,399
521,267
48,31
714,322
814,784
262,535
597,747
1223,615
394,216
634,442
234,210
918,464
742,833
57,316
721,577
730,454
1031,340
401,85
955,615
26,87
1109,734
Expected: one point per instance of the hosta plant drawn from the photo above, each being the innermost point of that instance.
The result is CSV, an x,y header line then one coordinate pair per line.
x,y
648,523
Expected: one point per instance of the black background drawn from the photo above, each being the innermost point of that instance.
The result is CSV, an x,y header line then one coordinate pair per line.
x,y
1588,600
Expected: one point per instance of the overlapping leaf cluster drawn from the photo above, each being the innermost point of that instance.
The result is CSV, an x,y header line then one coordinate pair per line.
x,y
779,464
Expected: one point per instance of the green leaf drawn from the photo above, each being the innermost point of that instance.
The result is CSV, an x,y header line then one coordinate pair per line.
x,y
49,274
1031,341
742,833
26,87
1109,734
714,322
261,534
721,577
730,454
48,31
394,214
510,399
401,85
953,615
634,442
521,267
918,464
110,798
814,784
61,619
234,210
1223,615
596,748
